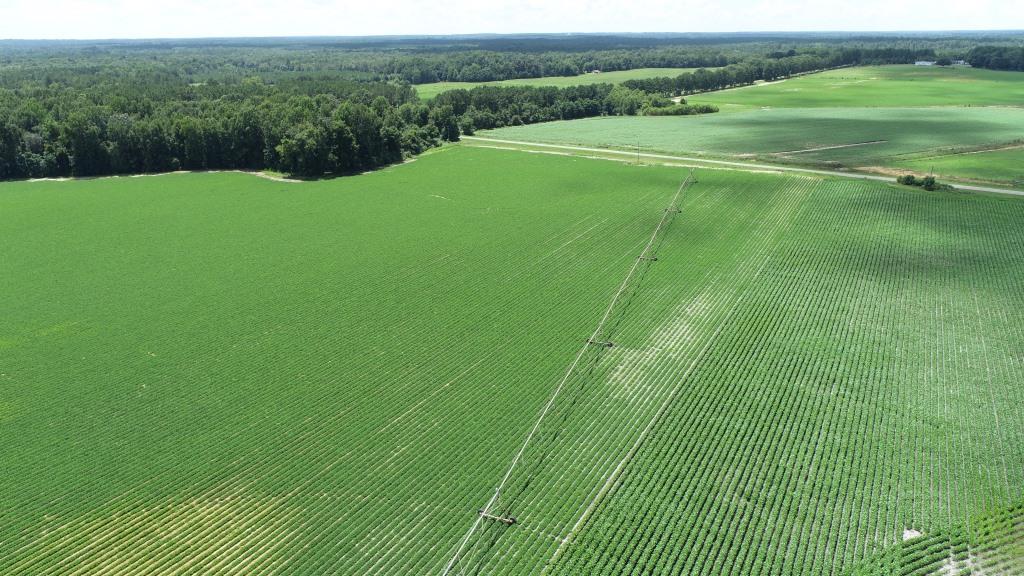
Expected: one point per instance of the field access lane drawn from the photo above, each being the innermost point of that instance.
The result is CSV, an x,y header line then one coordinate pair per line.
x,y
732,163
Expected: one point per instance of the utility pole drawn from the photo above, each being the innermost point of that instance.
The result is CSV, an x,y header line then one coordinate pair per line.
x,y
638,150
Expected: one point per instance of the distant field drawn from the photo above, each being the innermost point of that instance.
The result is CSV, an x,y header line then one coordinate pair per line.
x,y
995,165
220,374
428,91
886,86
894,117
880,136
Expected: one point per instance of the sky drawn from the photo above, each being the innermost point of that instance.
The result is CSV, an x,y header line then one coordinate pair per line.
x,y
92,19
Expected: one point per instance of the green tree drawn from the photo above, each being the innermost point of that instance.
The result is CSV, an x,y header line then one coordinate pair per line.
x,y
625,101
414,113
306,151
459,100
343,145
84,138
466,125
10,140
191,142
245,139
446,122
365,127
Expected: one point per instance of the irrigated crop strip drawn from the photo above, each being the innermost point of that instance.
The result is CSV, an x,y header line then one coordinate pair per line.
x,y
866,385
599,340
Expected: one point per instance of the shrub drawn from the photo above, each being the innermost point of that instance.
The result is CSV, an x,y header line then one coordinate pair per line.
x,y
681,110
927,182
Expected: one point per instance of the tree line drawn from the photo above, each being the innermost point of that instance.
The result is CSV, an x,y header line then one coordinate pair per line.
x,y
152,127
409,64
424,60
306,127
997,57
775,66
486,107
310,110
485,66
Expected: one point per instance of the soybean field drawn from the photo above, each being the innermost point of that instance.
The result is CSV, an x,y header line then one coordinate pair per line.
x,y
830,136
964,124
882,86
221,374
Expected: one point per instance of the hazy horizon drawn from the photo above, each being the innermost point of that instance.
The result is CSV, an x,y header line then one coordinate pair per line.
x,y
484,35
194,19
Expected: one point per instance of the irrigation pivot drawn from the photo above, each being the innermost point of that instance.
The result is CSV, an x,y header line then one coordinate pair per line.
x,y
507,520
595,339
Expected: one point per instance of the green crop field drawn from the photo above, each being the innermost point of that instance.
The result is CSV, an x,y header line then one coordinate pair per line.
x,y
847,136
888,86
991,543
248,376
999,166
220,374
428,91
874,118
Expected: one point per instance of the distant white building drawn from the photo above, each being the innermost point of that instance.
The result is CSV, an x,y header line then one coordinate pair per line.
x,y
924,63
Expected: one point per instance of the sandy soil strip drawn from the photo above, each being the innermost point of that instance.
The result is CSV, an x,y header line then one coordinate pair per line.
x,y
981,151
263,175
267,176
741,165
869,142
680,164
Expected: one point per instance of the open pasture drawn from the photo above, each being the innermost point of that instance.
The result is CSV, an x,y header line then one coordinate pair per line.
x,y
219,374
428,91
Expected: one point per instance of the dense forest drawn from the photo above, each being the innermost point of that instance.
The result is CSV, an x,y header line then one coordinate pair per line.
x,y
431,59
335,106
997,57
304,126
146,125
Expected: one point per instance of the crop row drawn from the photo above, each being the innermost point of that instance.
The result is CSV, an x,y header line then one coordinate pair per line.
x,y
709,253
842,402
349,412
316,381
988,544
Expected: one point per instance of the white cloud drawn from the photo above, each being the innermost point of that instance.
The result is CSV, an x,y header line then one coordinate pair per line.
x,y
196,18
